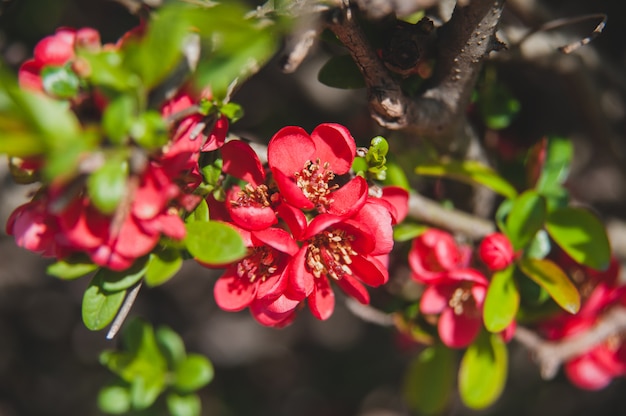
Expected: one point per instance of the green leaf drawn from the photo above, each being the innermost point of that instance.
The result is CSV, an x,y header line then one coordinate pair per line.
x,y
113,281
502,212
558,158
581,235
68,269
540,246
118,118
396,176
526,217
145,390
430,379
183,405
107,69
502,301
114,400
408,231
172,346
232,110
471,172
192,373
149,130
341,72
201,213
483,371
497,106
554,280
107,185
60,81
162,266
100,306
214,243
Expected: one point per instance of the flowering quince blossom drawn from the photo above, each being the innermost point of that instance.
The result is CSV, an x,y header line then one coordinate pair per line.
x,y
304,167
496,251
594,369
55,50
454,291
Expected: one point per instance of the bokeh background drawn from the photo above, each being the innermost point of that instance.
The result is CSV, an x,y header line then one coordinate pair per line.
x,y
345,366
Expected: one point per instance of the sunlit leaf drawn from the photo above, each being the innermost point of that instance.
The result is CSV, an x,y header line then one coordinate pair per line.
x,y
162,266
172,346
201,213
540,246
553,279
183,405
471,172
483,371
194,372
60,81
99,306
214,243
107,185
502,300
581,235
430,379
114,400
113,281
67,269
408,231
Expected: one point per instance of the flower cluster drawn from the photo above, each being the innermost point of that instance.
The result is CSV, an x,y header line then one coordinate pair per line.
x,y
455,292
308,224
594,369
63,220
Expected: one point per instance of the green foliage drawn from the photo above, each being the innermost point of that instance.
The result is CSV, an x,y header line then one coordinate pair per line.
x,y
71,268
100,306
469,171
341,72
163,264
483,371
555,170
525,218
374,164
430,379
581,235
497,105
60,81
113,281
108,185
549,276
502,300
214,243
408,231
150,365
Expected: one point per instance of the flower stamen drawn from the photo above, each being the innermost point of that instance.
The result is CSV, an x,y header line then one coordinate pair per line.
x,y
252,196
314,181
259,264
329,253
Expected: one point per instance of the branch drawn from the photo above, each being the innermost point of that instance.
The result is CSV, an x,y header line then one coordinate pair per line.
x,y
464,42
551,355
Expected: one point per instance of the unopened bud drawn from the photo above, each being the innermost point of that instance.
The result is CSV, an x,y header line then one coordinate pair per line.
x,y
496,251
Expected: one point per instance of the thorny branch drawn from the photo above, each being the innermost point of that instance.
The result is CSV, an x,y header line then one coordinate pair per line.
x,y
438,112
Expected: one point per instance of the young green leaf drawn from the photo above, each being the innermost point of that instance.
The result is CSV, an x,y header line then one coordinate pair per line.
x,y
118,118
483,371
408,231
107,185
113,281
430,379
99,306
471,172
341,72
114,400
68,269
554,280
183,405
214,243
502,300
526,217
540,246
194,372
172,346
559,155
581,235
60,81
201,213
162,266
145,390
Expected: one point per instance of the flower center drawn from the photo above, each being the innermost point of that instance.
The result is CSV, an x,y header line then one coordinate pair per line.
x,y
252,196
329,254
259,264
462,300
314,181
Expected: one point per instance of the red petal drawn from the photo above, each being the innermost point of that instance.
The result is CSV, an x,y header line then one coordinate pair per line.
x,y
585,372
29,75
398,198
349,198
334,144
469,275
217,136
277,238
104,256
294,218
268,315
132,241
56,49
232,293
435,298
242,162
378,220
322,300
289,149
253,218
274,286
354,289
369,270
458,331
301,281
83,227
290,191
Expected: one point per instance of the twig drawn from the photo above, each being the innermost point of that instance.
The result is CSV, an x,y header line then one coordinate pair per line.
x,y
369,314
124,310
551,355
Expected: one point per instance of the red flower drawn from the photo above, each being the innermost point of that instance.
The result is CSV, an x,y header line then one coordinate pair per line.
x,y
259,280
594,369
496,251
34,228
458,297
434,253
55,50
305,167
347,252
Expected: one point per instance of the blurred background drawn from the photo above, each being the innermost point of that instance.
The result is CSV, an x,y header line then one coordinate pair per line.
x,y
345,366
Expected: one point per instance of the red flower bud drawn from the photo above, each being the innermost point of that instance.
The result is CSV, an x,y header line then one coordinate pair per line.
x,y
496,251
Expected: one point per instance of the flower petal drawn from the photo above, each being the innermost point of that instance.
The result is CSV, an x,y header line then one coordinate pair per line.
x,y
458,331
354,289
290,192
301,281
334,144
435,298
289,149
369,270
322,300
585,372
242,162
233,293
349,198
278,239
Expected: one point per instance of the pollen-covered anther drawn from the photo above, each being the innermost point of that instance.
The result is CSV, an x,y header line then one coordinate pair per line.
x,y
259,264
314,181
252,196
458,301
329,253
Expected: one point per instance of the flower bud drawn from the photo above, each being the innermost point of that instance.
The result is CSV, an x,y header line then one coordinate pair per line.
x,y
496,251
